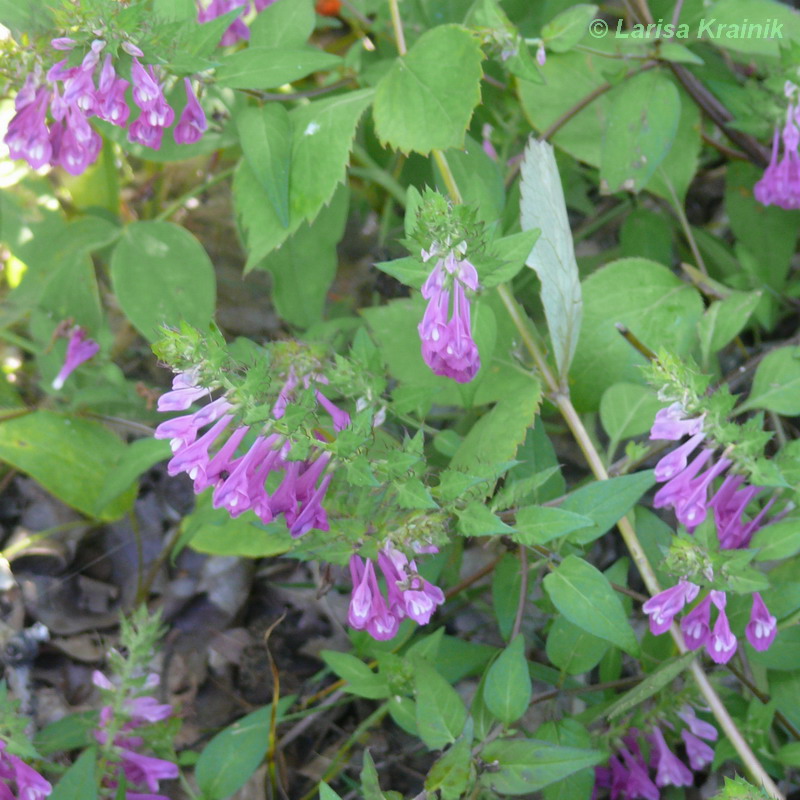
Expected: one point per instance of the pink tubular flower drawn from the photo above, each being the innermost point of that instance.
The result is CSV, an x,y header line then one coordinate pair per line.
x,y
762,628
780,183
670,770
663,607
671,423
146,770
111,104
27,136
696,625
722,644
697,751
192,123
79,349
699,727
447,344
29,784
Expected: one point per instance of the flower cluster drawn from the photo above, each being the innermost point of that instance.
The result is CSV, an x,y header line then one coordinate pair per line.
x,y
446,330
16,774
409,594
239,480
237,31
780,183
686,489
72,97
139,770
628,773
80,348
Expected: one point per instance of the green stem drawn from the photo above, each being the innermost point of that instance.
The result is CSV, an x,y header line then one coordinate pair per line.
x,y
181,201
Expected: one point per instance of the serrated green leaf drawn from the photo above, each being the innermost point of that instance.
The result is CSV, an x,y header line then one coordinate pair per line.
x,y
425,101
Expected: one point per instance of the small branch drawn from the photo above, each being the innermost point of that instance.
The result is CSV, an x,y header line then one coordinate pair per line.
x,y
523,593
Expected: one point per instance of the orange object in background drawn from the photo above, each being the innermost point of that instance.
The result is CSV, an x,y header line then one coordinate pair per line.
x,y
328,8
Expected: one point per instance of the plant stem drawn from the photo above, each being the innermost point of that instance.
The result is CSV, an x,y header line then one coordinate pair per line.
x,y
181,201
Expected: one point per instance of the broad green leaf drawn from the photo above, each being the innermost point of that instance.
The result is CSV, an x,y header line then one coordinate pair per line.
x,y
136,458
425,101
450,774
565,30
542,524
542,206
363,681
568,79
628,409
726,24
478,520
783,654
72,732
585,597
370,786
606,502
266,137
480,182
573,649
408,270
496,436
162,275
507,690
440,711
777,540
642,125
653,303
678,53
523,766
322,134
286,23
568,732
653,683
776,386
70,456
513,251
268,67
234,754
723,320
304,267
78,782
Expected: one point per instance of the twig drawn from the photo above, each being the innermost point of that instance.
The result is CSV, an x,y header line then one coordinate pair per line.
x,y
523,592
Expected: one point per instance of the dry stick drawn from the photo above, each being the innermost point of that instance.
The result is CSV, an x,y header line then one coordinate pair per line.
x,y
559,395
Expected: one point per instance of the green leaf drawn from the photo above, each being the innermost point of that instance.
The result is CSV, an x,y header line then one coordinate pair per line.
x,y
78,782
287,23
642,124
506,583
777,540
450,774
652,684
363,681
162,275
585,597
72,732
478,520
572,649
513,251
370,786
542,206
627,409
70,456
234,754
414,494
425,101
723,320
606,502
266,137
507,691
322,134
523,766
783,654
137,458
304,267
268,67
325,791
776,386
440,711
565,30
653,303
568,733
542,524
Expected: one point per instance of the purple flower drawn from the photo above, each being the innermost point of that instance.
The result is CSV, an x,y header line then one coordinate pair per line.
x,y
671,423
762,628
696,625
146,770
132,50
30,785
488,147
663,607
697,751
541,55
192,123
79,144
141,132
183,394
697,726
27,136
238,30
780,183
111,104
670,770
674,462
146,89
637,783
722,644
447,344
368,609
79,349
63,43
691,507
